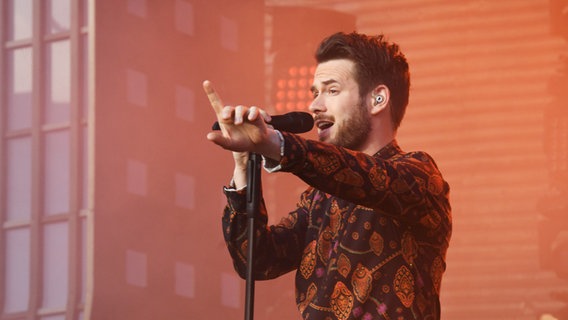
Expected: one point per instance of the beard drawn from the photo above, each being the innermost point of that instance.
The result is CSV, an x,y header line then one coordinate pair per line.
x,y
353,132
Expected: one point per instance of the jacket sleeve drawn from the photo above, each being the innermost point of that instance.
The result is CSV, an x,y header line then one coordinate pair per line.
x,y
278,248
407,186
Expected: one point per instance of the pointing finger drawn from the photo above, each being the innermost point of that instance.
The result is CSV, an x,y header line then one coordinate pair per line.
x,y
216,103
214,98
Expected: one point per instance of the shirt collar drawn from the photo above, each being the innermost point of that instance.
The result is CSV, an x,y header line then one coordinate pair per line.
x,y
390,150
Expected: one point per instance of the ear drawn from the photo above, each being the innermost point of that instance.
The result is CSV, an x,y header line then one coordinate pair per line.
x,y
380,99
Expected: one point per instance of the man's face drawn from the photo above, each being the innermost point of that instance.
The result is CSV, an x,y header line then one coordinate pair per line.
x,y
342,118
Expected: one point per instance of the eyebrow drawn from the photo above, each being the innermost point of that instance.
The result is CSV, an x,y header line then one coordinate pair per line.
x,y
325,83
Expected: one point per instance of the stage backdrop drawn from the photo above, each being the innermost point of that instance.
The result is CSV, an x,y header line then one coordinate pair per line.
x,y
111,197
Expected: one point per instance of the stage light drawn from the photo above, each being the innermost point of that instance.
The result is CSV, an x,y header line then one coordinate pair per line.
x,y
292,88
296,32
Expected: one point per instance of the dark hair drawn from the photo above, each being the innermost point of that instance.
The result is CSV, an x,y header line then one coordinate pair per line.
x,y
377,62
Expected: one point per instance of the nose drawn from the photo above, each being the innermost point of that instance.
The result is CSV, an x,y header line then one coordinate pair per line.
x,y
317,105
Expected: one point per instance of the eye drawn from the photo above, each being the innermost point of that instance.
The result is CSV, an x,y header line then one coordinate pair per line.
x,y
333,91
315,94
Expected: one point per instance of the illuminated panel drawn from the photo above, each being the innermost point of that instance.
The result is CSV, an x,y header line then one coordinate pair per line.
x,y
293,46
293,88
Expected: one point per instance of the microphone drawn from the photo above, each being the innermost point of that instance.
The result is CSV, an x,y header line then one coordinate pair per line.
x,y
293,122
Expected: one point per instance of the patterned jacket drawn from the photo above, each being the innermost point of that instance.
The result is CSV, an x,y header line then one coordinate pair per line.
x,y
368,238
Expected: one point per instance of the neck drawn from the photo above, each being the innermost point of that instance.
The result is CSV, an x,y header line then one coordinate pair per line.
x,y
377,144
382,133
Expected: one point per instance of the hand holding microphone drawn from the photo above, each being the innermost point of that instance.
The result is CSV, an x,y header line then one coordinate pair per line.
x,y
245,128
293,122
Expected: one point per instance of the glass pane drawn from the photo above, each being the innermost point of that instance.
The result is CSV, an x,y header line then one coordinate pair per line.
x,y
57,172
19,86
55,265
20,18
58,82
19,179
17,264
58,16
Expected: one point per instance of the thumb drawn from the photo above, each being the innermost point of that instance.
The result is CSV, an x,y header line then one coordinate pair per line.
x,y
219,139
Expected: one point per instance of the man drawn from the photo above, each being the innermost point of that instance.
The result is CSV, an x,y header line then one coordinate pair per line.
x,y
369,236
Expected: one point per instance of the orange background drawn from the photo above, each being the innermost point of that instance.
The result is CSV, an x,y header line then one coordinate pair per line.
x,y
142,237
482,103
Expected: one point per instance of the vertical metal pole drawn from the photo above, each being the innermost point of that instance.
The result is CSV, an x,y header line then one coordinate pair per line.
x,y
253,203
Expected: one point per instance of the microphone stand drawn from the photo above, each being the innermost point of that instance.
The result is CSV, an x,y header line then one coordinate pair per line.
x,y
253,203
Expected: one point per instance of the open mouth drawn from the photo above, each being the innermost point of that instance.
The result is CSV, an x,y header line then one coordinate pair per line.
x,y
324,124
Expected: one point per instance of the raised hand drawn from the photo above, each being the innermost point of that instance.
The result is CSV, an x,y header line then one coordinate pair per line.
x,y
243,129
